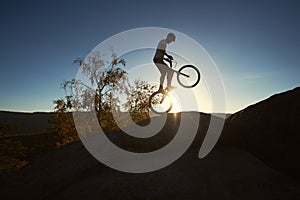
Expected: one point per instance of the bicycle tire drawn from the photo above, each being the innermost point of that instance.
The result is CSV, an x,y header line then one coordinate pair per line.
x,y
180,76
155,97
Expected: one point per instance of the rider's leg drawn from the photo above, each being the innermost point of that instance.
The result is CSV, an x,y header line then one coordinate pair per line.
x,y
161,80
163,72
169,79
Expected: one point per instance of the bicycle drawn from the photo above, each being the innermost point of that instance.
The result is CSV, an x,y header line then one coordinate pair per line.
x,y
188,76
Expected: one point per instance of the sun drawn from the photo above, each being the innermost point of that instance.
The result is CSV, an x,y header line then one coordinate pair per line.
x,y
176,106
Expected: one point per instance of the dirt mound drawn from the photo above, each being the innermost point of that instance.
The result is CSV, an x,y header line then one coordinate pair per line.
x,y
270,130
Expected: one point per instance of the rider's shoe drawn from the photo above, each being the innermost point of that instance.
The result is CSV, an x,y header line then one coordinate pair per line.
x,y
169,88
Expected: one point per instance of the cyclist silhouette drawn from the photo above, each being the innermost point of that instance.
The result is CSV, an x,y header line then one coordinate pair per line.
x,y
159,58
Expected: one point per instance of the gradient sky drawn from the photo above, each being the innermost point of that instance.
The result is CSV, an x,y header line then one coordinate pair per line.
x,y
255,44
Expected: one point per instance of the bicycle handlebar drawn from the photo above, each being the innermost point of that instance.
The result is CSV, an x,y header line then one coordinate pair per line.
x,y
171,62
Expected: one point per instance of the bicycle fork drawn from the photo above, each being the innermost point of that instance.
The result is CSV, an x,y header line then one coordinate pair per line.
x,y
163,98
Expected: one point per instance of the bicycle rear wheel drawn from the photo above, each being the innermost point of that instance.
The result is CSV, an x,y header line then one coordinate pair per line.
x,y
188,76
160,102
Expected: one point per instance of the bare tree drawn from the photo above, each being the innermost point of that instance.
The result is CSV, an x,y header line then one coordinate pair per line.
x,y
104,80
96,94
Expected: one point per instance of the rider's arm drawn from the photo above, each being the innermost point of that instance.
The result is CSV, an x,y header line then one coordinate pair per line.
x,y
169,56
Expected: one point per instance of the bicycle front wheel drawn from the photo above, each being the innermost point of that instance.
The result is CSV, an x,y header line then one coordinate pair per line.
x,y
188,76
160,102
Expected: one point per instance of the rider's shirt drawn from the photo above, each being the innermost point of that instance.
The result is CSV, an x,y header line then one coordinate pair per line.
x,y
160,50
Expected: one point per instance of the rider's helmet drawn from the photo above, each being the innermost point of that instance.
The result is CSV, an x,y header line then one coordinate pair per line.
x,y
171,37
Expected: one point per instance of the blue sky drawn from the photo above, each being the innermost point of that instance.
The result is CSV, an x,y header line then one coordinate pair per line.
x,y
255,44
